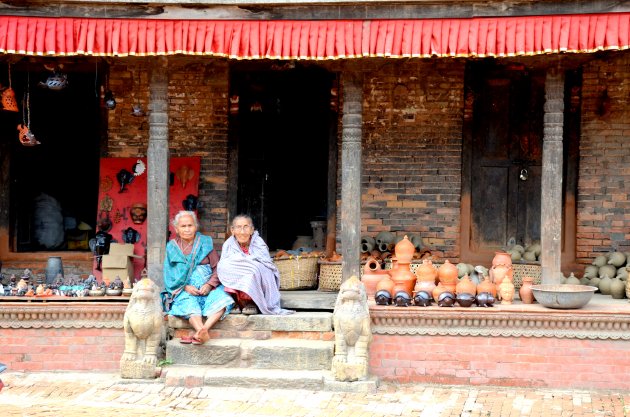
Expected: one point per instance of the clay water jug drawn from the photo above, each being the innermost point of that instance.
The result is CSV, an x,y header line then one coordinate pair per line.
x,y
525,292
465,286
404,250
403,278
426,271
447,274
372,275
502,258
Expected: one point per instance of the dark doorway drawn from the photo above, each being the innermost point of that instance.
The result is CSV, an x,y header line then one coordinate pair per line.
x,y
54,185
280,137
503,156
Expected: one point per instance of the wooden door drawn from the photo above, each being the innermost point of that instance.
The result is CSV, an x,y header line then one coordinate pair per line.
x,y
506,158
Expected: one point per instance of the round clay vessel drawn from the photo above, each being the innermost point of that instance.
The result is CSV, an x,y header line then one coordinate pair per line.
x,y
422,298
502,258
426,271
403,278
525,292
487,286
404,250
465,299
385,284
617,288
439,289
382,298
371,280
465,285
485,299
446,299
604,285
402,299
427,286
447,273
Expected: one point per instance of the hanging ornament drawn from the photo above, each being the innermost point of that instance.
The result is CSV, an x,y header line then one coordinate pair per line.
x,y
57,81
8,97
26,136
136,109
138,168
108,98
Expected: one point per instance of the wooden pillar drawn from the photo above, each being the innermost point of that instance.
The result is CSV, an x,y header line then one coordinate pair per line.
x,y
551,196
157,170
352,121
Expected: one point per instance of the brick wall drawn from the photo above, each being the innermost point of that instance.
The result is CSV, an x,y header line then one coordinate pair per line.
x,y
82,349
522,361
603,216
412,144
197,95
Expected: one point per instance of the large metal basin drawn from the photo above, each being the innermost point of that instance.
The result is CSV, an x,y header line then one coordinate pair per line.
x,y
563,296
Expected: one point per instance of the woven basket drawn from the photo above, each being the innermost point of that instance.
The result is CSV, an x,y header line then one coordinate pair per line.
x,y
329,276
520,270
297,273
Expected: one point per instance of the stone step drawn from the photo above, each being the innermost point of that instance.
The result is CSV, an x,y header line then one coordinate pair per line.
x,y
199,376
308,300
312,321
252,353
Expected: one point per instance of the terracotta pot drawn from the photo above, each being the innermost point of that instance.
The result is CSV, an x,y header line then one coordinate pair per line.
x,y
371,281
404,250
426,271
427,286
502,258
465,286
498,272
372,264
525,292
386,284
487,286
447,273
439,289
402,276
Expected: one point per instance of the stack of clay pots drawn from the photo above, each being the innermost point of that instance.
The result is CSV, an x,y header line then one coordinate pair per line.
x,y
609,273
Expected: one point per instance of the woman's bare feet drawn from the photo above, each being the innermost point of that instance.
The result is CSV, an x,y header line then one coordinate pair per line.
x,y
202,335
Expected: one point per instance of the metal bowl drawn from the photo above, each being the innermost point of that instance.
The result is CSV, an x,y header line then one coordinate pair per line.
x,y
563,296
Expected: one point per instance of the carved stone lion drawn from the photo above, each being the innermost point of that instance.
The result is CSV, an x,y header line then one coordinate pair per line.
x,y
143,331
353,334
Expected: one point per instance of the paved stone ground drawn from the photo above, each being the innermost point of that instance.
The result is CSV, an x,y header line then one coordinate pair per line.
x,y
104,395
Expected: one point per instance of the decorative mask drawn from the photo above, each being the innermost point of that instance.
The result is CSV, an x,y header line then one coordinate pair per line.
x,y
124,178
190,203
138,213
130,235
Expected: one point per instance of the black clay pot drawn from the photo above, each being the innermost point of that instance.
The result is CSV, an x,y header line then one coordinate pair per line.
x,y
422,299
383,298
485,299
465,299
446,299
402,299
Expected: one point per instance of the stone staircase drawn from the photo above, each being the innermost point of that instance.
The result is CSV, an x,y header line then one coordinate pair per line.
x,y
291,352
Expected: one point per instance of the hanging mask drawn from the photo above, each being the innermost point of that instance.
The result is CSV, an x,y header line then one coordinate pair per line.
x,y
138,213
190,203
124,178
130,235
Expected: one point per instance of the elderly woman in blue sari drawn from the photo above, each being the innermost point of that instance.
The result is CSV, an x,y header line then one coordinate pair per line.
x,y
190,276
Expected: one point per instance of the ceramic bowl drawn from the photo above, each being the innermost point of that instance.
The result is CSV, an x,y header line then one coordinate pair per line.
x,y
111,291
97,293
127,291
563,296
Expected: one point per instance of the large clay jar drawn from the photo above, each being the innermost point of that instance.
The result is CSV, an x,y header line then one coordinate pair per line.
x,y
371,279
498,272
404,250
525,292
487,286
447,274
403,278
466,286
502,258
427,286
426,271
506,289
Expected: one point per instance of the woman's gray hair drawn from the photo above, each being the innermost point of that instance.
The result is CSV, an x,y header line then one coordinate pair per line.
x,y
184,213
242,216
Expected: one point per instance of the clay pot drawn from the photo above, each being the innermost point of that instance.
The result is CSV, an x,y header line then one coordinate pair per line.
x,y
403,278
525,292
446,299
485,299
427,286
617,288
487,286
506,289
604,285
386,284
465,285
447,274
404,250
382,298
465,299
372,275
439,289
502,258
367,244
426,271
422,298
497,273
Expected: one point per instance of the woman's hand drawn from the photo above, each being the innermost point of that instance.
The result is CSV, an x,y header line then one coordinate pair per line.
x,y
192,290
205,289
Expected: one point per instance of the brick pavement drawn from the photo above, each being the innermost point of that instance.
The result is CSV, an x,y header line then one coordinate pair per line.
x,y
104,395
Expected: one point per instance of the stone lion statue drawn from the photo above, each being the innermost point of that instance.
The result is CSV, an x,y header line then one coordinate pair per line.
x,y
353,334
143,331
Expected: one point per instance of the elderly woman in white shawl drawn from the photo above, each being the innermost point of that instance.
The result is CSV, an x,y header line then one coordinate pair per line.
x,y
247,271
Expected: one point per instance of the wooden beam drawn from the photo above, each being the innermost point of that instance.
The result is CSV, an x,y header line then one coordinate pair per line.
x,y
352,122
551,182
157,170
287,9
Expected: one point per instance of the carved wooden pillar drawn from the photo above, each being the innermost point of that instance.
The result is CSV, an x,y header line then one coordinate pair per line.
x,y
551,196
157,170
352,121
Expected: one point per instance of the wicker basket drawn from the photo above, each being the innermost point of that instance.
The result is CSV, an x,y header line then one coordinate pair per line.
x,y
297,273
330,275
521,270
